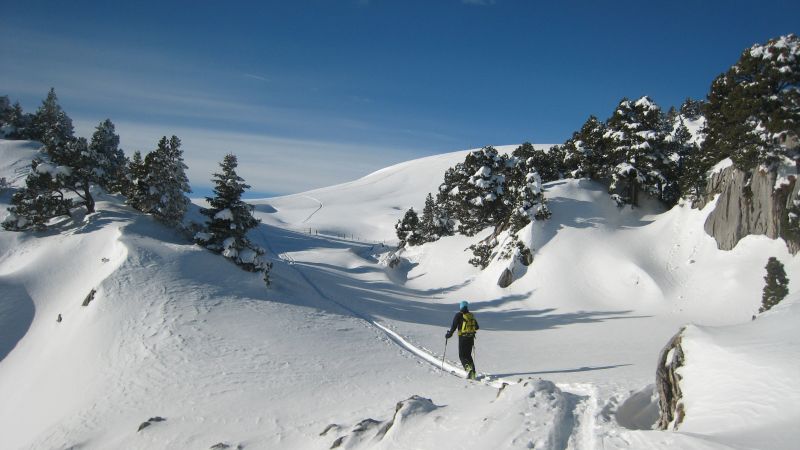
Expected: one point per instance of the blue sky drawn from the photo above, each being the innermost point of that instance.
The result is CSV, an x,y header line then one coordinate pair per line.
x,y
312,93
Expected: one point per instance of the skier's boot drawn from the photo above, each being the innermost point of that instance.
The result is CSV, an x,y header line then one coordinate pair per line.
x,y
470,372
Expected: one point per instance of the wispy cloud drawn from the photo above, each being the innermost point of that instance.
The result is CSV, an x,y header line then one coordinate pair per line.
x,y
255,77
268,163
281,149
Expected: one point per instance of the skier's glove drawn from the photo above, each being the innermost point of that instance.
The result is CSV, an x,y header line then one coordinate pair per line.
x,y
448,335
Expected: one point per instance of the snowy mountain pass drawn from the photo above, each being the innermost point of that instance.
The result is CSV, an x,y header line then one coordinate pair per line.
x,y
344,348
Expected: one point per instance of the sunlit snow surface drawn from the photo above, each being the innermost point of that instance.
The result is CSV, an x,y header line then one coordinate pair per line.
x,y
177,332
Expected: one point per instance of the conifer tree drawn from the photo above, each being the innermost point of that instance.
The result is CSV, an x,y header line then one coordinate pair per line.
x,y
754,106
777,285
586,154
42,198
528,197
428,226
20,123
474,191
50,124
55,185
134,188
165,183
409,229
548,164
109,159
635,137
230,218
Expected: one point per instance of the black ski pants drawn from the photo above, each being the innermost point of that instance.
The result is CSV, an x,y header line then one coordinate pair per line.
x,y
465,345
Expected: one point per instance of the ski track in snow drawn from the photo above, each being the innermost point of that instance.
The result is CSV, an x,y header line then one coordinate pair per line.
x,y
392,335
315,211
572,428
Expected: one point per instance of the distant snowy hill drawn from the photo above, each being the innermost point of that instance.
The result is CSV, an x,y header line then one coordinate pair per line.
x,y
345,350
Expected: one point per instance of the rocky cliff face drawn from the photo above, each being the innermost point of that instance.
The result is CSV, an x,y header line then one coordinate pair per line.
x,y
749,207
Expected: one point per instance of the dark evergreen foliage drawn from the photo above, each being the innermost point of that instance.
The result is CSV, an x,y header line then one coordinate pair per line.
x,y
482,254
109,160
777,285
230,218
754,107
164,184
634,138
409,229
473,191
692,109
435,222
134,188
42,198
586,154
50,125
549,165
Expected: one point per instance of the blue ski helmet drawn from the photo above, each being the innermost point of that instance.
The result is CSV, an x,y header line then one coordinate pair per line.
x,y
463,304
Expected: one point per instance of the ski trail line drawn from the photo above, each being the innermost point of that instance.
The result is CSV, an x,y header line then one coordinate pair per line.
x,y
393,336
315,211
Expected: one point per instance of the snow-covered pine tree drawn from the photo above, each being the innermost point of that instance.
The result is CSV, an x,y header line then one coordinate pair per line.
x,y
435,222
50,124
753,109
20,123
230,218
409,229
586,154
692,109
777,285
678,148
42,198
165,182
634,136
477,198
55,185
110,167
134,188
549,164
525,187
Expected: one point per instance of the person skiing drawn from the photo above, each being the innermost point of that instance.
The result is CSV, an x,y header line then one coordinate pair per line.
x,y
467,326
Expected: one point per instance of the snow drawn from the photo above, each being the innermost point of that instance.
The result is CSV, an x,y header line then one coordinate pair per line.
x,y
225,214
178,332
720,166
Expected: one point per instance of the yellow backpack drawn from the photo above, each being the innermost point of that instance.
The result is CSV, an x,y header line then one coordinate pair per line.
x,y
468,325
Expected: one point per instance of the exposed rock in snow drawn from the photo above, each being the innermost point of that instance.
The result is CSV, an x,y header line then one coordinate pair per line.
x,y
748,206
149,422
671,410
89,298
370,431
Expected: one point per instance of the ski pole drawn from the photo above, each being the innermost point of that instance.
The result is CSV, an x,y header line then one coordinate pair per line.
x,y
444,353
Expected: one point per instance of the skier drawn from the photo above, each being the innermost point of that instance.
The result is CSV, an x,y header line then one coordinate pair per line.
x,y
467,326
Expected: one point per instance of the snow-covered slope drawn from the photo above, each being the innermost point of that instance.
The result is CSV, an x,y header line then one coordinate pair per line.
x,y
176,332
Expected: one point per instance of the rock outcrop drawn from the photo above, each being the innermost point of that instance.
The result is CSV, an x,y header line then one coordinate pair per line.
x,y
369,432
749,206
670,407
